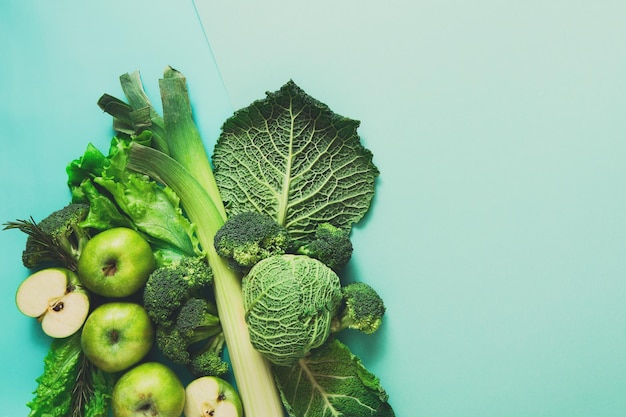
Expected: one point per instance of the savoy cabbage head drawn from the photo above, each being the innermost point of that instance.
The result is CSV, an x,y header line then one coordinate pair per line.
x,y
290,301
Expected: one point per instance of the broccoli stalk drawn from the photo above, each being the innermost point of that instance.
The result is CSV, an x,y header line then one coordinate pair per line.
x,y
198,321
208,361
361,309
57,239
246,238
331,245
188,172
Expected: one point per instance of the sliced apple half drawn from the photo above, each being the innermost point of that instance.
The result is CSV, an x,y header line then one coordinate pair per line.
x,y
212,396
54,297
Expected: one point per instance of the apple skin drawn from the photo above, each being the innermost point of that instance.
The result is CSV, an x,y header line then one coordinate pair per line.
x,y
212,396
116,262
150,389
117,335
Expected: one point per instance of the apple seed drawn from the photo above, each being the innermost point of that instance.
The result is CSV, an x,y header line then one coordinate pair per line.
x,y
54,297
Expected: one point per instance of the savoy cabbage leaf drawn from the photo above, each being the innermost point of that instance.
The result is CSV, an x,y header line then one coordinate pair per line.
x,y
331,382
289,156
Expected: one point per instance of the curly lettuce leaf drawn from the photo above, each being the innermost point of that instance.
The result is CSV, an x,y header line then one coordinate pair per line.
x,y
291,157
331,382
119,197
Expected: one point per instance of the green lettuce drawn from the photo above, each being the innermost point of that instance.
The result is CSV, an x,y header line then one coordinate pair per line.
x,y
53,396
70,386
119,197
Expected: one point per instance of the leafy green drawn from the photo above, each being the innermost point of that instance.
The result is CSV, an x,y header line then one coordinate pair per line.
x,y
290,301
332,382
53,396
70,386
91,396
129,120
121,198
291,157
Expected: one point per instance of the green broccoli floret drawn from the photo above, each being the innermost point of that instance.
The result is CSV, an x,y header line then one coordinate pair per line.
x,y
331,245
246,238
195,340
198,320
169,287
57,239
172,344
361,309
208,361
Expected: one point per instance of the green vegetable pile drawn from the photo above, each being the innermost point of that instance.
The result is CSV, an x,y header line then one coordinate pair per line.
x,y
250,247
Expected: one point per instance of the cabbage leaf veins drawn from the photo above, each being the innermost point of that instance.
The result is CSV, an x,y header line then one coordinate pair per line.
x,y
332,382
289,156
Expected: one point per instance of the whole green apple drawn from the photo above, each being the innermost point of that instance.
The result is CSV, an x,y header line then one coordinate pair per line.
x,y
117,335
148,390
116,262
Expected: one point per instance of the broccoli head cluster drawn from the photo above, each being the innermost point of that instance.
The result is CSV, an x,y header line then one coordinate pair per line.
x,y
58,239
249,237
171,285
361,309
331,245
246,238
188,330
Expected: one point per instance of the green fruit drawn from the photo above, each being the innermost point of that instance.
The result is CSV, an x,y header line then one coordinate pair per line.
x,y
116,262
117,335
212,396
56,299
148,390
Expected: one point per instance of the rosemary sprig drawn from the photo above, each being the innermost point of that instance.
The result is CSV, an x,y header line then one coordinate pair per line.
x,y
40,244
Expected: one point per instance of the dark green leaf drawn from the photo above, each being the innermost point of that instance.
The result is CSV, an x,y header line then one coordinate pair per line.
x,y
291,157
332,381
53,396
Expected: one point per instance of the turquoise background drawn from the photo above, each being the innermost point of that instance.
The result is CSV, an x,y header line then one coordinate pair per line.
x,y
498,233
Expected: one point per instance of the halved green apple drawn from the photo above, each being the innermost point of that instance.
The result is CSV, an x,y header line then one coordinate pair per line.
x,y
212,396
55,298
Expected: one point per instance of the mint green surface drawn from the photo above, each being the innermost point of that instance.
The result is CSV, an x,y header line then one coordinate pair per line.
x,y
498,233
